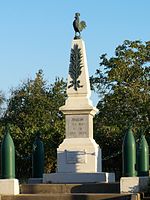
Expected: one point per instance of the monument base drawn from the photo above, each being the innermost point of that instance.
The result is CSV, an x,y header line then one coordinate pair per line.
x,y
102,177
9,186
79,155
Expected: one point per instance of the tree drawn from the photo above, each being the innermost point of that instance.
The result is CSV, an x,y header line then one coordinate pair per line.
x,y
2,99
123,84
34,107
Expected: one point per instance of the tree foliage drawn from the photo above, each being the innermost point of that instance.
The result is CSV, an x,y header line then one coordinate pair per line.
x,y
34,107
2,100
123,84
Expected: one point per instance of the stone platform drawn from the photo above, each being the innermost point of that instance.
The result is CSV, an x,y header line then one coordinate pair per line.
x,y
70,188
79,177
70,192
69,197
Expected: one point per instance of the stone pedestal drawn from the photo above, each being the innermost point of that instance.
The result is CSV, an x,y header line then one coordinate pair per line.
x,y
133,184
79,157
9,186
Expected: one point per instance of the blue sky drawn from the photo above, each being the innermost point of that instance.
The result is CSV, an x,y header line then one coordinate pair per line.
x,y
37,34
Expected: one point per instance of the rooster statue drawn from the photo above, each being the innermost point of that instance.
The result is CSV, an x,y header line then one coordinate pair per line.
x,y
78,26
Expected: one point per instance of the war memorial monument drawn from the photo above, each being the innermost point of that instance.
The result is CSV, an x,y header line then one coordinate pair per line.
x,y
79,157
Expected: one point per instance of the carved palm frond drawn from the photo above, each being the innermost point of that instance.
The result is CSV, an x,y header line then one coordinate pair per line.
x,y
75,67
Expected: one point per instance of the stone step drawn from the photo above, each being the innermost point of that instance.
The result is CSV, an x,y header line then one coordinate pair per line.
x,y
145,195
78,196
70,188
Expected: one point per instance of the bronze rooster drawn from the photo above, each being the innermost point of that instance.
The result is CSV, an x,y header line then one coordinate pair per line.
x,y
78,26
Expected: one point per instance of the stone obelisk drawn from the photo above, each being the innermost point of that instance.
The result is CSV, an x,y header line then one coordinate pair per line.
x,y
79,151
78,156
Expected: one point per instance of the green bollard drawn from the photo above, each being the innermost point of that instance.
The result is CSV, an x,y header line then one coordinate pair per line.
x,y
37,158
129,154
143,157
7,156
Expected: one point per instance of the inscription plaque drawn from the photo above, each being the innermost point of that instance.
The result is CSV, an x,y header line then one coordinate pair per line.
x,y
76,126
73,157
